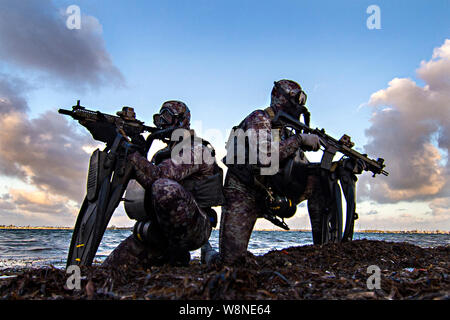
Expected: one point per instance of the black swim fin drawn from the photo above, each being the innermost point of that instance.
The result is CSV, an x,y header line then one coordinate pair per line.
x,y
108,177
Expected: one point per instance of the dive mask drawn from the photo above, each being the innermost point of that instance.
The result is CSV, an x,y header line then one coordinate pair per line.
x,y
297,103
164,118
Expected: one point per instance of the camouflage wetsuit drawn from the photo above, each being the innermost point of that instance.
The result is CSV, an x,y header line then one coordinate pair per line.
x,y
182,226
244,204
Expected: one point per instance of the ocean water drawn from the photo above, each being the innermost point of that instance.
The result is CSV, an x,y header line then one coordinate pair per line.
x,y
36,248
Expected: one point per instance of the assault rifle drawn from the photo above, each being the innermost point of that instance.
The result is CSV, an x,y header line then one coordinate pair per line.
x,y
331,145
108,175
104,127
331,172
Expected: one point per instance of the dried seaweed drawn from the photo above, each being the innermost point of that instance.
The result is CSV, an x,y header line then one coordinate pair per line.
x,y
333,271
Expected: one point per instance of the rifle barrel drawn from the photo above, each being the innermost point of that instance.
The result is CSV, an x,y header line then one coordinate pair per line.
x,y
66,112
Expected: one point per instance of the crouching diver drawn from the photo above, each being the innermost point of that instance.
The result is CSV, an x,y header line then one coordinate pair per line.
x,y
250,194
172,196
244,198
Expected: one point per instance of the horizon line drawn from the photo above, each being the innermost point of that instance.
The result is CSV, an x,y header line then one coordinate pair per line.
x,y
291,230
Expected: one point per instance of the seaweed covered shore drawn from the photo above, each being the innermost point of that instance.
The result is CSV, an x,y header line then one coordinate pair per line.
x,y
332,271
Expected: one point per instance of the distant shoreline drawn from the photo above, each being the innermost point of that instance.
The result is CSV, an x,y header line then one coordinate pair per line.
x,y
54,228
303,230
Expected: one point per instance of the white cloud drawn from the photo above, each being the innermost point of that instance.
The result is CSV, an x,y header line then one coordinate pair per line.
x,y
410,128
47,154
34,36
33,151
413,136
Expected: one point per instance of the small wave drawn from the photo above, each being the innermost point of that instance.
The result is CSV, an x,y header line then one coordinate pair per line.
x,y
33,249
38,249
18,241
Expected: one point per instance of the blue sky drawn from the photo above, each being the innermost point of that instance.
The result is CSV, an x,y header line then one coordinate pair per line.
x,y
221,58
